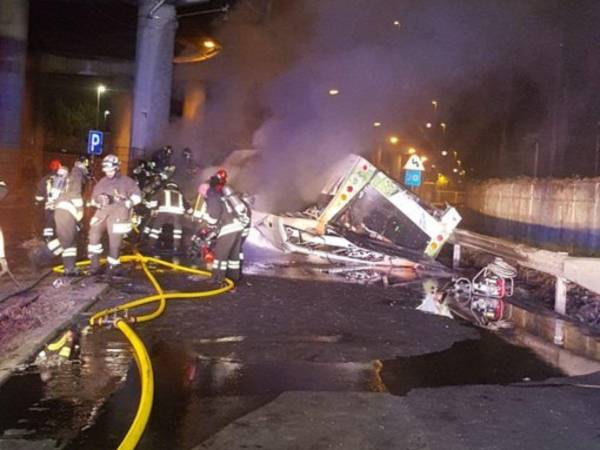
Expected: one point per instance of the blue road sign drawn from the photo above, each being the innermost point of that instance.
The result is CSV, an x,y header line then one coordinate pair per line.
x,y
95,141
412,178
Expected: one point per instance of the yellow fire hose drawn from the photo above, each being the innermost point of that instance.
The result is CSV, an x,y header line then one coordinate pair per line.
x,y
137,427
140,353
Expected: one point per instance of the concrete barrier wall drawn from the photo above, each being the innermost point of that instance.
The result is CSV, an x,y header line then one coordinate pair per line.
x,y
556,214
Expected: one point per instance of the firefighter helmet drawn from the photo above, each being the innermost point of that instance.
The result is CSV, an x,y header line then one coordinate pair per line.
x,y
110,162
54,165
222,176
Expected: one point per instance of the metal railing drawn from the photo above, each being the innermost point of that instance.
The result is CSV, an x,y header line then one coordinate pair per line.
x,y
565,268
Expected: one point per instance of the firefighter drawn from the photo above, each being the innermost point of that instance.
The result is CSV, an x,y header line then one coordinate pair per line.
x,y
245,214
200,236
191,166
3,263
170,208
144,173
221,215
114,196
48,190
162,157
68,214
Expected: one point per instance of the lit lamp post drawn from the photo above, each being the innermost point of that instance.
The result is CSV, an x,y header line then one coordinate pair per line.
x,y
209,44
106,114
100,90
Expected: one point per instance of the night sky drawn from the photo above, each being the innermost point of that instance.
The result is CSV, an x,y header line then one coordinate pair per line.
x,y
507,74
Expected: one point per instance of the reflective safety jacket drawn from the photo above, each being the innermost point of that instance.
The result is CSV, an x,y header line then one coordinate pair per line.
x,y
199,209
221,213
168,201
71,199
49,189
122,194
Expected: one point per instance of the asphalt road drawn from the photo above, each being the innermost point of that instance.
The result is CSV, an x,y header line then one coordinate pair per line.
x,y
297,364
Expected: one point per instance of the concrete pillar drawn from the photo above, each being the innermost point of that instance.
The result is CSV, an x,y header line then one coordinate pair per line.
x,y
13,55
121,123
153,75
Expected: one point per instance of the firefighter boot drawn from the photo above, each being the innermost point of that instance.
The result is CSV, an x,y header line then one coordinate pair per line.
x,y
116,271
70,269
95,268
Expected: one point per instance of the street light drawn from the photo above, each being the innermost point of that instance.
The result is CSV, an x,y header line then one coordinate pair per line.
x,y
412,151
376,124
209,44
333,92
435,105
444,153
106,114
101,89
393,140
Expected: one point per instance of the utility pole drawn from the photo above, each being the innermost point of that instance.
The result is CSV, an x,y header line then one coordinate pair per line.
x,y
559,116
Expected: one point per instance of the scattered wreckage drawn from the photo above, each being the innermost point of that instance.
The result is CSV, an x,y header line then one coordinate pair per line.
x,y
364,220
367,227
482,298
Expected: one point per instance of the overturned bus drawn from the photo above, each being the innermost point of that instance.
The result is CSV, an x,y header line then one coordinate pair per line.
x,y
363,216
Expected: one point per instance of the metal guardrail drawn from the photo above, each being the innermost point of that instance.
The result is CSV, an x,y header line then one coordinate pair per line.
x,y
582,271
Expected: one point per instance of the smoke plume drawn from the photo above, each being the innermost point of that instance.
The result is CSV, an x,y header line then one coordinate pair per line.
x,y
269,89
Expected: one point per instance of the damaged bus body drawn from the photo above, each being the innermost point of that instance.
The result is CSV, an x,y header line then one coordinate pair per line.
x,y
363,217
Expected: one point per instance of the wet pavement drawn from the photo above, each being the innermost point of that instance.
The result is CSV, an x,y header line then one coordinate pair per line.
x,y
290,360
286,364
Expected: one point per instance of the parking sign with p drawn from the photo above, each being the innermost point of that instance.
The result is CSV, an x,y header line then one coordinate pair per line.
x,y
95,140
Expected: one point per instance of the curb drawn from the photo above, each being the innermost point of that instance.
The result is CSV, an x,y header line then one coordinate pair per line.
x,y
33,340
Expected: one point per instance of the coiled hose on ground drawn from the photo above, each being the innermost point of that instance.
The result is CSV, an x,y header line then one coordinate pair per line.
x,y
111,316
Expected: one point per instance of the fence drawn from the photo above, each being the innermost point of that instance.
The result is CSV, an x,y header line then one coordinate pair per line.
x,y
438,197
556,214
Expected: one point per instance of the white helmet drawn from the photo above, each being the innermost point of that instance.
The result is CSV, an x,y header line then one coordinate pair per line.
x,y
110,162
